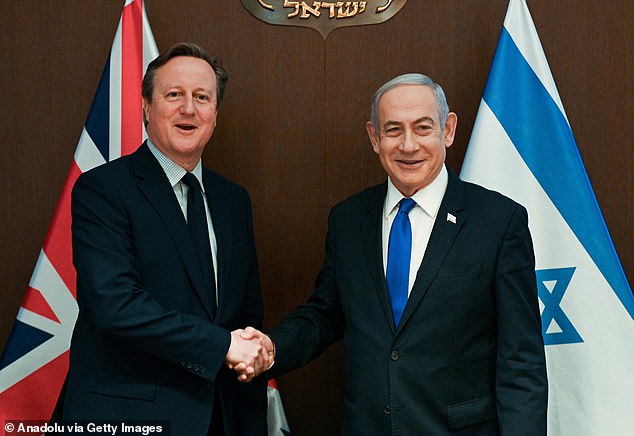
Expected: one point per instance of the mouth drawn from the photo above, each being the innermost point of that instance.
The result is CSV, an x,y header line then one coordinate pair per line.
x,y
185,127
408,163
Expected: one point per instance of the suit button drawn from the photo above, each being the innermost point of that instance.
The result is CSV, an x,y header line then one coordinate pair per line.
x,y
394,355
387,410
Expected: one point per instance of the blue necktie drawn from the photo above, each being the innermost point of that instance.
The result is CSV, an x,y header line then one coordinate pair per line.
x,y
197,223
399,253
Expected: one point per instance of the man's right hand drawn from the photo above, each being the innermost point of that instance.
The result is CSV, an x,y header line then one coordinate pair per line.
x,y
250,353
268,347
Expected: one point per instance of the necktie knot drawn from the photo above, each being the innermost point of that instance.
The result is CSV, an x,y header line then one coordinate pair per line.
x,y
406,205
191,181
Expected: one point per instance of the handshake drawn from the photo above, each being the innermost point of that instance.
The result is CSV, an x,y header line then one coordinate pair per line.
x,y
250,353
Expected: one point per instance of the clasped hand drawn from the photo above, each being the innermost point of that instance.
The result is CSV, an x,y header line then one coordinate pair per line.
x,y
251,352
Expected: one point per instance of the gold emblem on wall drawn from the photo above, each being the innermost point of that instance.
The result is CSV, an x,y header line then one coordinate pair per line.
x,y
323,16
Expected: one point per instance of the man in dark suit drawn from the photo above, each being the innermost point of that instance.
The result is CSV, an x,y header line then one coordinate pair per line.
x,y
434,298
158,315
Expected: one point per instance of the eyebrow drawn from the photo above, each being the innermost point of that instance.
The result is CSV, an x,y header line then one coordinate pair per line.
x,y
182,87
399,123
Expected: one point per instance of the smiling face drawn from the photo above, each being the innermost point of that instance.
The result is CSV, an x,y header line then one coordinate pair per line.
x,y
182,114
411,143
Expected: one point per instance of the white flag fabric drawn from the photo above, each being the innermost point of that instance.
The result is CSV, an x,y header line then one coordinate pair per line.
x,y
276,418
522,146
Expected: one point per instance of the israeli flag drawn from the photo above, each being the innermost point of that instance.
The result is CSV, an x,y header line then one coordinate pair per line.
x,y
522,146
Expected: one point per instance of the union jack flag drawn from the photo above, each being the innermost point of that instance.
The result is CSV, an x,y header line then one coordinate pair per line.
x,y
35,361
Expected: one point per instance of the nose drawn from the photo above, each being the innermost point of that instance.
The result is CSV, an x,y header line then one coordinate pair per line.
x,y
409,143
187,105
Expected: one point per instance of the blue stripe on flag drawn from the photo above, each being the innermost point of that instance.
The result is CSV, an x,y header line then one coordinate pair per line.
x,y
97,124
545,141
23,339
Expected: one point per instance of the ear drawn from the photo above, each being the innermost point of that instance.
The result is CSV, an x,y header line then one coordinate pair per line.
x,y
373,135
450,128
146,111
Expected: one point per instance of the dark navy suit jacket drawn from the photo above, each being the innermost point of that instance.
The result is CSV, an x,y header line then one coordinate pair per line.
x,y
467,357
145,346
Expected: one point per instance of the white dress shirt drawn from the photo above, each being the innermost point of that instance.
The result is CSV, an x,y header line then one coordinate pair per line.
x,y
422,218
175,173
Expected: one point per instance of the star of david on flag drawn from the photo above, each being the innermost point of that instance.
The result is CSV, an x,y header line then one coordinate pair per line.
x,y
522,146
551,286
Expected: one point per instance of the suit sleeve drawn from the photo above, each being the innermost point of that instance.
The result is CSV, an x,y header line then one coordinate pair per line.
x,y
112,295
521,383
307,332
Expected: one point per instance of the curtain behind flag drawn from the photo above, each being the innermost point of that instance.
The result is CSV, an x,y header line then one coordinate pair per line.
x,y
522,145
35,360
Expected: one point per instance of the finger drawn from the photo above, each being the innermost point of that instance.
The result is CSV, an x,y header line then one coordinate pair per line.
x,y
245,379
240,367
249,333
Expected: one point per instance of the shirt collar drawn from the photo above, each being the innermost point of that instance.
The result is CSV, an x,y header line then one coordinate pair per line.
x,y
173,171
428,198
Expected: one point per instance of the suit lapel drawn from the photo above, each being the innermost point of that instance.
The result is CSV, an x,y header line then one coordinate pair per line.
x,y
371,234
156,188
442,237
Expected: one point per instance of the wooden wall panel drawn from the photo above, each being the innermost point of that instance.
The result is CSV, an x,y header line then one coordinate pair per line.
x,y
291,127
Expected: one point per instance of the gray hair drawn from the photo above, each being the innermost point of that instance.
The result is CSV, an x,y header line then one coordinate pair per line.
x,y
188,49
410,79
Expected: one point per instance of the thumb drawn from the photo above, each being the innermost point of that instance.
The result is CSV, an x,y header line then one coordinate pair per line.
x,y
249,333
